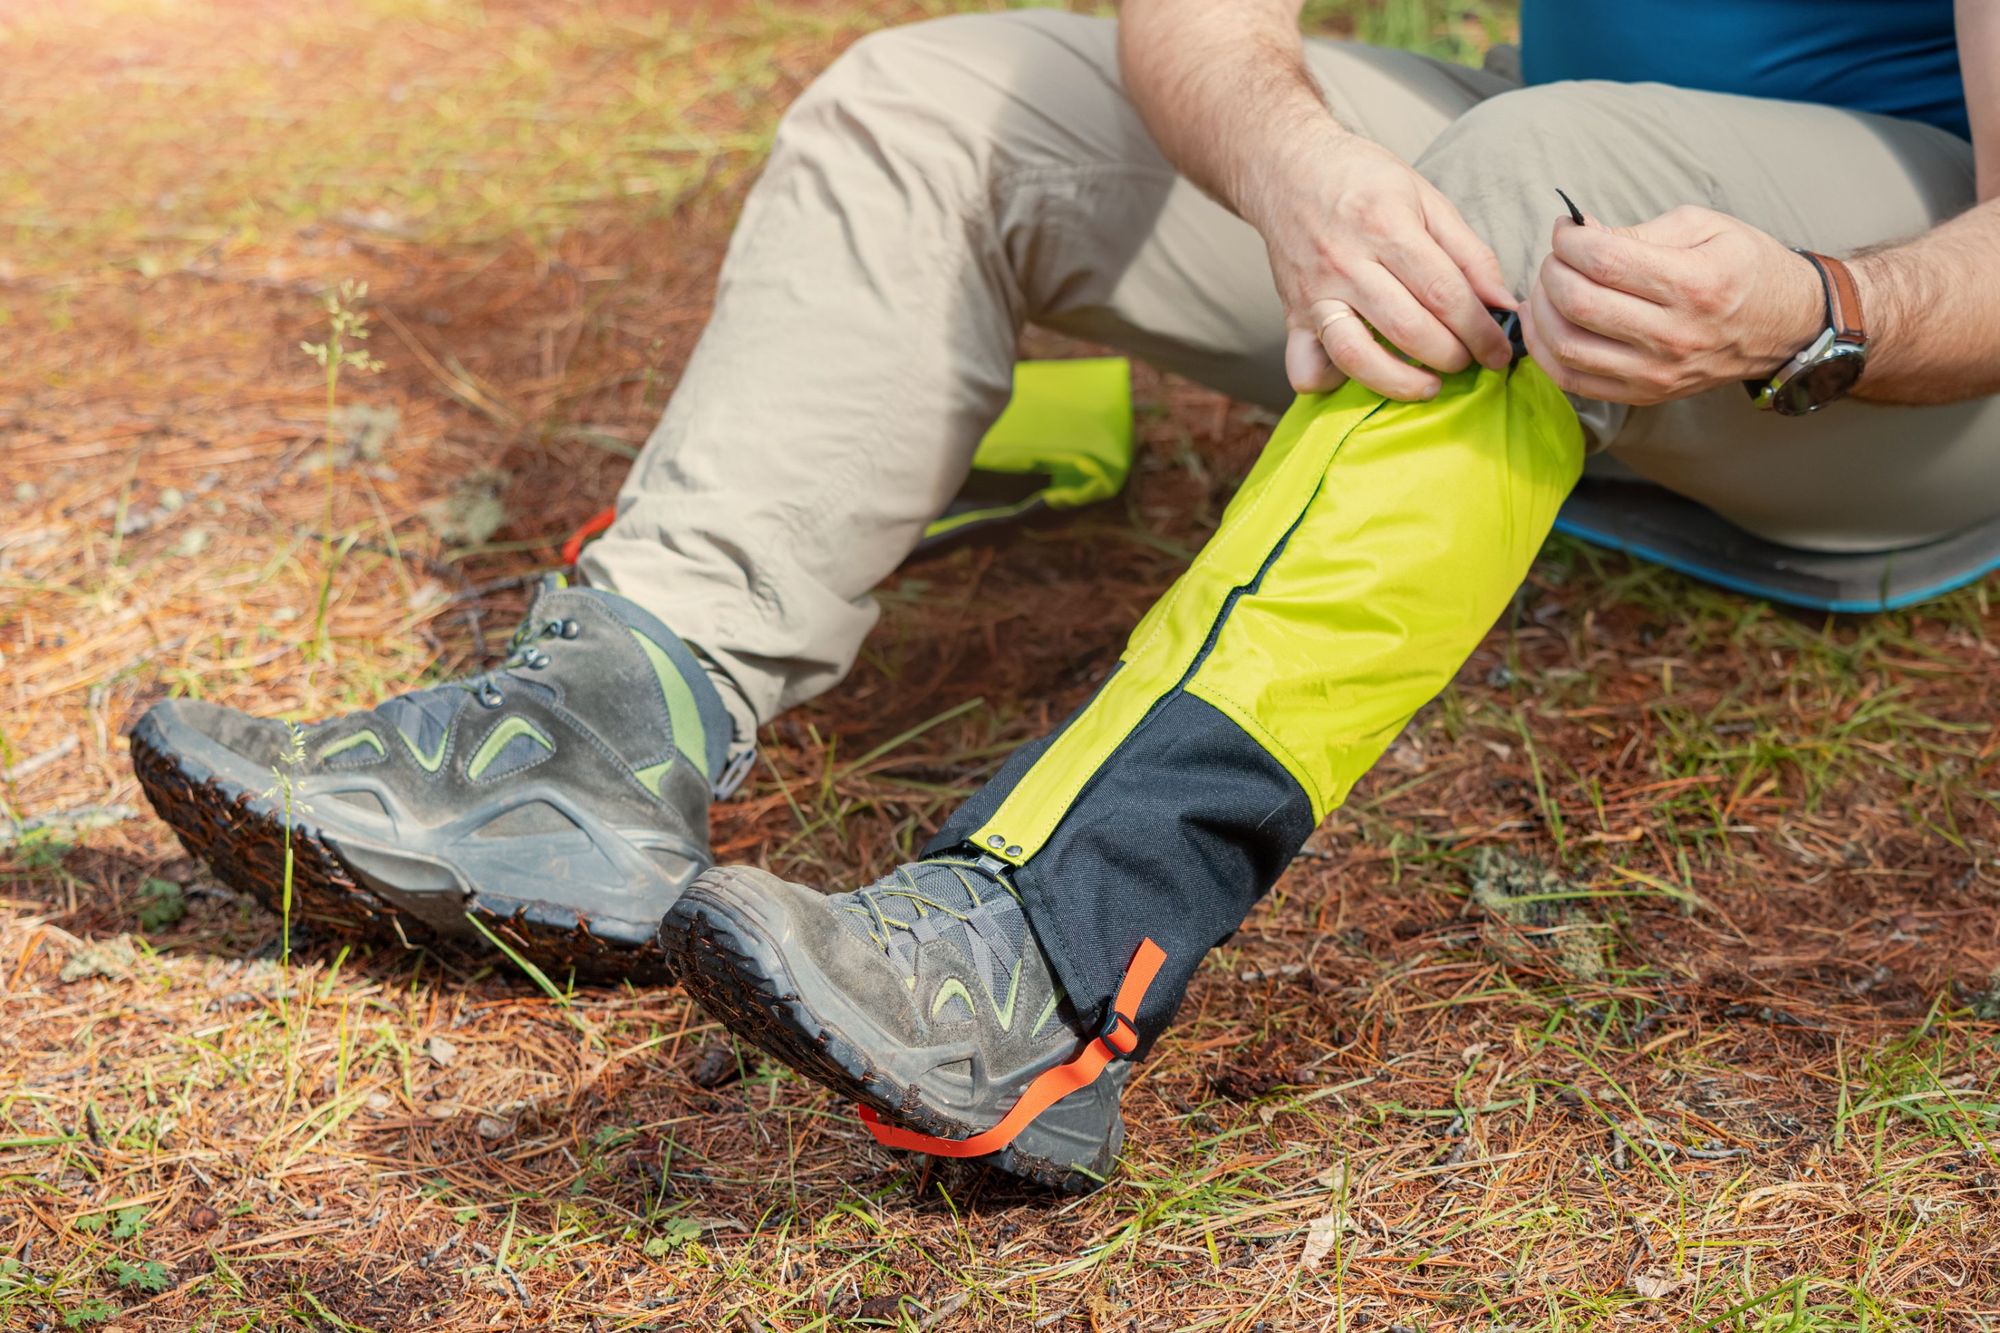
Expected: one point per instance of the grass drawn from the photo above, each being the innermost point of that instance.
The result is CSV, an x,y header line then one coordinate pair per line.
x,y
1650,981
347,326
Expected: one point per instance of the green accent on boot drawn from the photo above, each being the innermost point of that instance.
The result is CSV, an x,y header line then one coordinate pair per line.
x,y
355,741
431,762
652,775
490,748
953,989
1048,1012
1005,1012
683,713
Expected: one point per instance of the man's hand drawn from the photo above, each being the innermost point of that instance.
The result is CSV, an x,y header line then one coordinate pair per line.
x,y
1670,308
1359,242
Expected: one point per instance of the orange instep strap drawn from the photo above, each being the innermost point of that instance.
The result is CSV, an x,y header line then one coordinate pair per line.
x,y
1118,1040
596,523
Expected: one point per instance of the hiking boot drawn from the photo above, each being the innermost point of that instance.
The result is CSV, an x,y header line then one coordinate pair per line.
x,y
560,801
923,997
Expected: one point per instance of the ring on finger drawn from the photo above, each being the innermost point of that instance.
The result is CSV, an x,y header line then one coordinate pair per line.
x,y
1341,310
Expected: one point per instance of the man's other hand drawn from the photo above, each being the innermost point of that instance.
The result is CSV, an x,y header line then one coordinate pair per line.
x,y
1670,308
1360,244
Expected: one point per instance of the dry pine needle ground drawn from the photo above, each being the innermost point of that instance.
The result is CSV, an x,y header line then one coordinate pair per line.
x,y
1648,983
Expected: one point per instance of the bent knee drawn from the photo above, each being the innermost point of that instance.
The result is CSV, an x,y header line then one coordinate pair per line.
x,y
909,80
1616,148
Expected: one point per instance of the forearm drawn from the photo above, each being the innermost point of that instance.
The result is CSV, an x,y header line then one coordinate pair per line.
x,y
1932,310
1223,86
1931,305
1360,244
1694,300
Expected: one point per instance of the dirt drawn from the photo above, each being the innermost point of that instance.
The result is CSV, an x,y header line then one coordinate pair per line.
x,y
1768,1079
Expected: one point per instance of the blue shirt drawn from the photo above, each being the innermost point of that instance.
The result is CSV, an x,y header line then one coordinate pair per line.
x,y
1897,57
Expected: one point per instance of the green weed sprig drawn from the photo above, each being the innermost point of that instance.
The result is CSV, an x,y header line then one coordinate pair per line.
x,y
281,772
347,329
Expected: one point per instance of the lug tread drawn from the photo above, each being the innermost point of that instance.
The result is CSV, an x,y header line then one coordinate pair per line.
x,y
241,835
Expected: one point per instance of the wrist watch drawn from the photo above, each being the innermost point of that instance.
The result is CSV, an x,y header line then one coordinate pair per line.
x,y
1827,369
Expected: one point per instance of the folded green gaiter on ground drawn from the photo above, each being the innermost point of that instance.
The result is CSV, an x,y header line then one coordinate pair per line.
x,y
1364,558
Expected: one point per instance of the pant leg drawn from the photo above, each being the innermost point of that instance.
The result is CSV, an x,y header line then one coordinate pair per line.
x,y
941,185
1854,477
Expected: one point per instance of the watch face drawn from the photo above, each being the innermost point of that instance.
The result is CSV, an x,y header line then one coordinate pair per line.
x,y
1823,381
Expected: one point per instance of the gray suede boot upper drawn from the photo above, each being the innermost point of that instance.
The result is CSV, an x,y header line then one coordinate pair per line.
x,y
924,996
565,792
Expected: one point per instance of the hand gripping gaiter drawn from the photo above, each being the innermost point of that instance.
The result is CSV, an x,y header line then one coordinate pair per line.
x,y
1362,561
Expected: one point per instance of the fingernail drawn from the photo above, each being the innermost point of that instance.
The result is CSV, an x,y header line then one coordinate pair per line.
x,y
1575,213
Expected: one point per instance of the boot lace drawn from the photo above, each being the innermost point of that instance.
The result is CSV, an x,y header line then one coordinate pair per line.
x,y
883,922
523,650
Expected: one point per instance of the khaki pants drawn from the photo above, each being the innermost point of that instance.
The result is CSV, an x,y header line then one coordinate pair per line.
x,y
946,183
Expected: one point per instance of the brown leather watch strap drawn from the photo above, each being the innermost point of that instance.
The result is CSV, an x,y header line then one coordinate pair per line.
x,y
1832,361
1843,298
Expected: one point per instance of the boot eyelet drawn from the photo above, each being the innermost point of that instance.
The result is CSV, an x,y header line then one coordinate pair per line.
x,y
569,629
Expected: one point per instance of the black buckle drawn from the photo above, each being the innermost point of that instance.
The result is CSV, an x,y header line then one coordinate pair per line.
x,y
1119,1034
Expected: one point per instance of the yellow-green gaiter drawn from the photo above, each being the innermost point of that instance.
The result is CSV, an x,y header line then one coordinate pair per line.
x,y
1362,561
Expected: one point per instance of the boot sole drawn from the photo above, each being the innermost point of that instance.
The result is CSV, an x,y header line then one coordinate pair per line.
x,y
727,958
241,834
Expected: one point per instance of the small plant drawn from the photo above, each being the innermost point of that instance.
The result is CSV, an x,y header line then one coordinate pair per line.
x,y
162,903
125,1224
147,1275
674,1233
347,325
293,1020
281,772
92,1311
347,328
